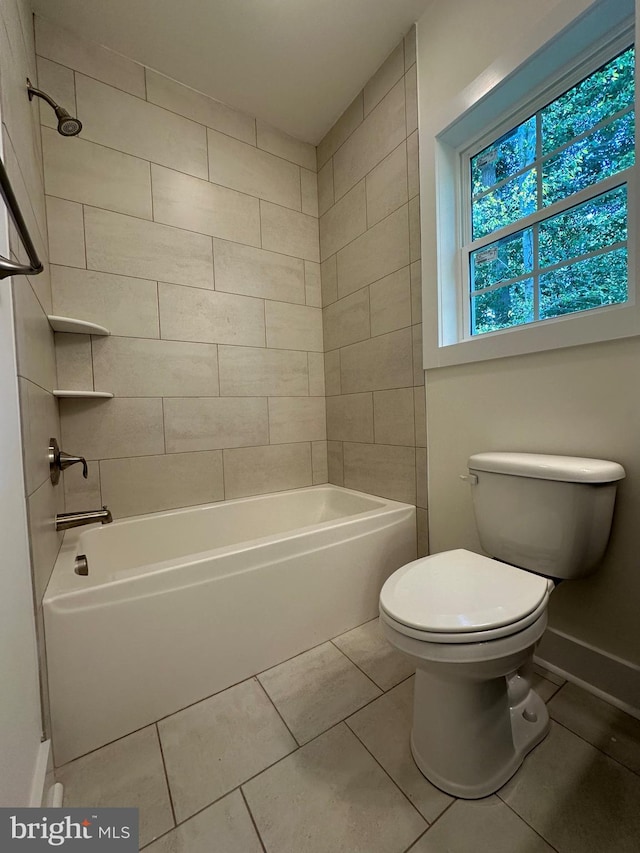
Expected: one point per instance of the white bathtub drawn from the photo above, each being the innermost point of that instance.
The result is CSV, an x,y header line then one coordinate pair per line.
x,y
179,605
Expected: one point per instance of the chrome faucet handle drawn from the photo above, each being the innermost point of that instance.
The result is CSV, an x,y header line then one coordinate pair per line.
x,y
59,460
66,459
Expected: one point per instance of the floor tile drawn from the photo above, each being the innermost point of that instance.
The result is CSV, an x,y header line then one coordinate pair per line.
x,y
331,797
543,687
602,724
384,727
471,826
316,690
126,773
577,798
550,676
220,742
225,827
369,650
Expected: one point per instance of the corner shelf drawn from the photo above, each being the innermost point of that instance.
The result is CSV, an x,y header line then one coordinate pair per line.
x,y
78,327
95,395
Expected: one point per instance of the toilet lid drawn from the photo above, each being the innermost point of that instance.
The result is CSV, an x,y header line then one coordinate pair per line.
x,y
461,591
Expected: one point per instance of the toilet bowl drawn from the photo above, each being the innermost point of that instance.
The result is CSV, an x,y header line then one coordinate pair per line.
x,y
470,623
475,714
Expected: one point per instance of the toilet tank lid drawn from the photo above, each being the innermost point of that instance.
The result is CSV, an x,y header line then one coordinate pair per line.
x,y
540,466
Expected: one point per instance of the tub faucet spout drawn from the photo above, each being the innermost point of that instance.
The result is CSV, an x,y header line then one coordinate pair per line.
x,y
65,520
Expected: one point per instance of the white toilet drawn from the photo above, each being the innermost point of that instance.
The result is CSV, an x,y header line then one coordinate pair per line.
x,y
470,623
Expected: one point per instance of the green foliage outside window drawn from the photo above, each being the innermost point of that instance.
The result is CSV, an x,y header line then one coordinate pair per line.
x,y
578,140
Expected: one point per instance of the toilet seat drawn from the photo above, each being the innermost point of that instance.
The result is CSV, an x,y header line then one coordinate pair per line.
x,y
462,597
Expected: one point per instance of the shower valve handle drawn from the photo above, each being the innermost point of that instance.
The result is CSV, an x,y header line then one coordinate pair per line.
x,y
59,460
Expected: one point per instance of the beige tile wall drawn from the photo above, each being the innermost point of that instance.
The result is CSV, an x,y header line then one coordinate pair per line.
x,y
22,156
370,270
191,231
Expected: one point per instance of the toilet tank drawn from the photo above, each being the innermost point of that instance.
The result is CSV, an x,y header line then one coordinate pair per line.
x,y
548,514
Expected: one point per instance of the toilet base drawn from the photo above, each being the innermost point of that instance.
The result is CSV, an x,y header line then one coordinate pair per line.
x,y
478,740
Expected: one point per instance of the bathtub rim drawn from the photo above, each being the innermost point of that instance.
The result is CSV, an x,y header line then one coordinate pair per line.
x,y
58,589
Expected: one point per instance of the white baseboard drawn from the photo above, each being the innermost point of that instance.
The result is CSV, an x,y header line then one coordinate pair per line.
x,y
39,783
611,678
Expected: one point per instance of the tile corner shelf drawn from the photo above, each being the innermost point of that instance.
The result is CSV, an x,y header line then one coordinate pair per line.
x,y
95,395
78,327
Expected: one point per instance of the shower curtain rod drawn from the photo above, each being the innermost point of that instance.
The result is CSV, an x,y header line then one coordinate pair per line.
x,y
7,266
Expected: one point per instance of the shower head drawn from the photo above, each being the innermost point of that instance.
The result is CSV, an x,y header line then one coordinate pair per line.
x,y
67,124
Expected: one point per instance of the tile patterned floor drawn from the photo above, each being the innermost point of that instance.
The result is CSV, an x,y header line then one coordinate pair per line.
x,y
312,756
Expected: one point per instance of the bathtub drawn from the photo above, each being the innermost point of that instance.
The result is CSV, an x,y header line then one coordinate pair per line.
x,y
179,605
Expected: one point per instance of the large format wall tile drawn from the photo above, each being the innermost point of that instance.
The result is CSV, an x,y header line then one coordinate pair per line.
x,y
153,483
89,58
387,185
289,232
136,127
39,417
377,364
293,326
255,272
34,338
211,423
143,367
126,306
347,320
350,119
197,205
297,419
66,233
43,506
344,221
309,192
393,413
325,188
391,70
350,418
250,170
73,362
128,246
258,470
249,372
279,143
381,131
391,302
57,81
381,470
379,251
192,314
83,171
180,99
106,429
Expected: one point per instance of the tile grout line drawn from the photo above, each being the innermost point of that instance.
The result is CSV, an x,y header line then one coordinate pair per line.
x,y
166,776
387,774
277,710
253,820
520,817
589,743
430,825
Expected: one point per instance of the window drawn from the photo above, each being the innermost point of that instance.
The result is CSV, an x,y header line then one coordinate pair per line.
x,y
534,206
547,206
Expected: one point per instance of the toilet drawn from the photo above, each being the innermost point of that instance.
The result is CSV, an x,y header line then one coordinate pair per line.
x,y
470,623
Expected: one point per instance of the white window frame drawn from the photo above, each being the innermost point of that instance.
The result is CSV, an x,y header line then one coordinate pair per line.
x,y
506,94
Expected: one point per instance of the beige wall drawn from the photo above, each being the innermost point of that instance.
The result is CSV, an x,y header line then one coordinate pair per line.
x,y
191,232
370,253
578,401
22,155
